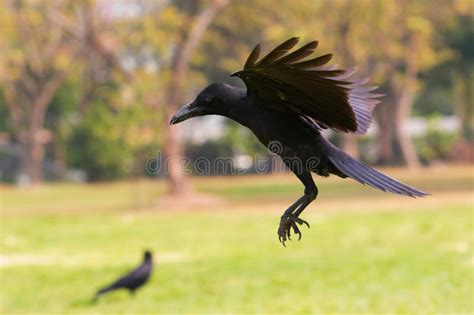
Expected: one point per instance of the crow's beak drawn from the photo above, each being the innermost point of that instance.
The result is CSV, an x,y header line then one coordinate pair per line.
x,y
186,112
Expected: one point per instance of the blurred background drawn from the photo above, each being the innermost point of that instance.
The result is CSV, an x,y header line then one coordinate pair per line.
x,y
91,173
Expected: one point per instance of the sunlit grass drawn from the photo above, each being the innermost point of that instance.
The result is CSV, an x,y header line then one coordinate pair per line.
x,y
138,194
367,252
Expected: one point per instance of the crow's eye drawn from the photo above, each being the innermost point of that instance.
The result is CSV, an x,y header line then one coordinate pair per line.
x,y
207,99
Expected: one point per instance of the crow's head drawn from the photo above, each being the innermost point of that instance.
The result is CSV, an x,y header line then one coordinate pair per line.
x,y
213,100
147,255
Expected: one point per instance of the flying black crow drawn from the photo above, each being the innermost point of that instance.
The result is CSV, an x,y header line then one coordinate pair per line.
x,y
134,279
288,101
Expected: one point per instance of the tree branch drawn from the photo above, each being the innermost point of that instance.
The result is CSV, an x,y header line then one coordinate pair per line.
x,y
44,98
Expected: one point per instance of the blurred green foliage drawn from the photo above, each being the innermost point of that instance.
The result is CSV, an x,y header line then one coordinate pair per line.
x,y
435,145
110,129
448,87
94,148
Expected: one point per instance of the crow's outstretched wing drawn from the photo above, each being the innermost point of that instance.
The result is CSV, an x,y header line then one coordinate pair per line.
x,y
286,81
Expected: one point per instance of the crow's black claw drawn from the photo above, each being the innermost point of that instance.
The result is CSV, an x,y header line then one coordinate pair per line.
x,y
301,222
287,223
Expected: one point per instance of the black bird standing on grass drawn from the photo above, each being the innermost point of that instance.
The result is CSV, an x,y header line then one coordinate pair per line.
x,y
288,101
134,279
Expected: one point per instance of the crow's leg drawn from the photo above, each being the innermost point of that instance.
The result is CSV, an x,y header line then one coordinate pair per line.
x,y
290,217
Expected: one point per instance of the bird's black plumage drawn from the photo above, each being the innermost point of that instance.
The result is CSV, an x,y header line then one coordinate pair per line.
x,y
287,102
132,280
284,81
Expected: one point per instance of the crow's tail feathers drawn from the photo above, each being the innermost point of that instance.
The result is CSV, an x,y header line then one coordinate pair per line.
x,y
105,290
364,174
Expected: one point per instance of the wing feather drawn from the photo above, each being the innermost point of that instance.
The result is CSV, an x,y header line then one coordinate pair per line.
x,y
253,57
279,51
313,63
300,53
285,81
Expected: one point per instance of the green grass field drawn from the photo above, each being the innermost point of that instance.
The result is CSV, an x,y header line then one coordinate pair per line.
x,y
366,251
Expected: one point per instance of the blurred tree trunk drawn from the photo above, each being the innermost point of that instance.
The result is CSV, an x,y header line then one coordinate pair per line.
x,y
190,39
462,99
29,93
49,40
406,97
59,155
349,141
408,49
385,136
28,121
